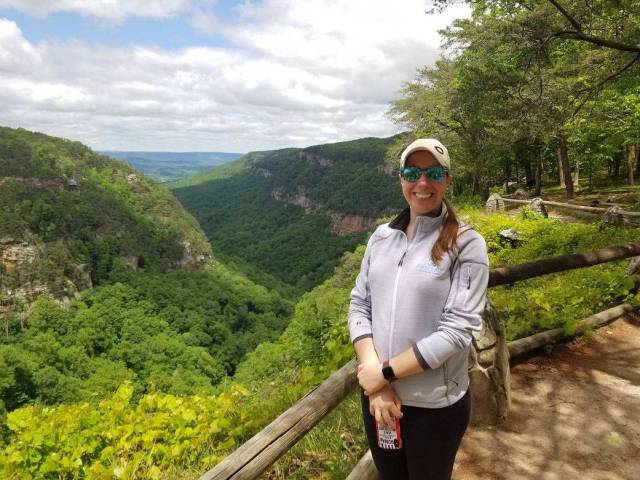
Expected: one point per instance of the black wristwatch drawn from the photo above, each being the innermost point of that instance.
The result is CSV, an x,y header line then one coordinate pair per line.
x,y
387,371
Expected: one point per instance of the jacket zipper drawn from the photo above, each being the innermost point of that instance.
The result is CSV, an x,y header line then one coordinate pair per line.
x,y
396,280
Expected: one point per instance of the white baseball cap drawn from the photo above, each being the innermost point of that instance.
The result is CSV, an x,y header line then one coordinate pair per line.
x,y
430,145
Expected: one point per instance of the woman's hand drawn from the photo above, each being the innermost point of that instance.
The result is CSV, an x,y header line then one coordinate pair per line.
x,y
385,406
370,377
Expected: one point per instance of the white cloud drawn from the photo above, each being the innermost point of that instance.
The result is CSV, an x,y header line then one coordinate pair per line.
x,y
105,9
297,73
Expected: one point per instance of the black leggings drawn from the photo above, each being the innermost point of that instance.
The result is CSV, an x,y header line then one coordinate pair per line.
x,y
430,440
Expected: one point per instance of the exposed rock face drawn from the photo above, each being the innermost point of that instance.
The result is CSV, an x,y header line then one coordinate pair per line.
x,y
132,178
82,276
388,168
192,260
263,172
316,159
341,224
300,198
346,224
16,252
53,184
131,262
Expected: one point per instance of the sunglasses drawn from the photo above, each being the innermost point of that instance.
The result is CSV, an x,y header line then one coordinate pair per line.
x,y
436,173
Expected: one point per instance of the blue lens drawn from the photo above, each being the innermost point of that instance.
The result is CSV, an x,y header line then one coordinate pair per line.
x,y
411,174
435,173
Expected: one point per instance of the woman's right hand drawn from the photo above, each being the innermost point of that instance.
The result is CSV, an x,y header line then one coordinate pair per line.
x,y
385,404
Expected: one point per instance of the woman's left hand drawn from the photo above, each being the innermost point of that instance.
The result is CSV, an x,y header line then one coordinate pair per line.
x,y
370,377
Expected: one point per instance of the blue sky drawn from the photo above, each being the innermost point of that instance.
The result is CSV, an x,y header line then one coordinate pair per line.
x,y
188,75
173,32
60,26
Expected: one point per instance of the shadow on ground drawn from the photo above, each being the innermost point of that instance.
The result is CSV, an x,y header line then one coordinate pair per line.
x,y
575,414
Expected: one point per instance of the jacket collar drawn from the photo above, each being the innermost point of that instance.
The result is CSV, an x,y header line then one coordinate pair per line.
x,y
424,223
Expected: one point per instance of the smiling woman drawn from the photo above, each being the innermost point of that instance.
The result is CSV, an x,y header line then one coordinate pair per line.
x,y
418,298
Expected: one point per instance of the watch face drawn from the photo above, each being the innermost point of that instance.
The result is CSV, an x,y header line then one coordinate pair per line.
x,y
387,372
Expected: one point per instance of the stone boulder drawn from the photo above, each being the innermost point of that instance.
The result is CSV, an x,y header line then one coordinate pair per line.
x,y
495,203
511,236
537,206
613,217
490,385
520,194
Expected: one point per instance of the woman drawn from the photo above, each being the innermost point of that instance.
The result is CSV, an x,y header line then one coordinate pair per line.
x,y
418,298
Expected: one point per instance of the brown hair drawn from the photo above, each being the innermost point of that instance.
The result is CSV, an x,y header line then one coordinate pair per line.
x,y
447,239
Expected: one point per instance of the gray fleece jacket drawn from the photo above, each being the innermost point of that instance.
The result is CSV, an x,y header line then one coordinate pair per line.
x,y
403,300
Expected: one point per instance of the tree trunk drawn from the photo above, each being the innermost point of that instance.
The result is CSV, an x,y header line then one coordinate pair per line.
x,y
631,157
538,188
563,159
560,170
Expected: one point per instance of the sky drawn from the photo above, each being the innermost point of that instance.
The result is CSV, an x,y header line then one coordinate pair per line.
x,y
211,75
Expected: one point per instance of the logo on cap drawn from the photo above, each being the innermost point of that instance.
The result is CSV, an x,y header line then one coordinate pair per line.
x,y
439,149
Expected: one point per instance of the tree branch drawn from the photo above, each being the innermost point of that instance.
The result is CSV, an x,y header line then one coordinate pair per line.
x,y
578,34
608,78
566,15
602,42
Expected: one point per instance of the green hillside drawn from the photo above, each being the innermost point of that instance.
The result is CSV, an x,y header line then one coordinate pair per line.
x,y
70,217
105,278
85,437
215,173
293,212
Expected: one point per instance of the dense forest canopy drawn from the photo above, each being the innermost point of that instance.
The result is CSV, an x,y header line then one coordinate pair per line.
x,y
535,90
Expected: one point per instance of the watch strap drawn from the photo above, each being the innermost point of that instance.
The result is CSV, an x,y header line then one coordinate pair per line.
x,y
387,371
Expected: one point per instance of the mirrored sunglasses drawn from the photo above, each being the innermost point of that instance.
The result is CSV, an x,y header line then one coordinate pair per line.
x,y
436,173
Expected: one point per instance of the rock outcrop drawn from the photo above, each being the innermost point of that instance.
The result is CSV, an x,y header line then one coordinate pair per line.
x,y
347,224
316,159
341,224
300,198
14,253
191,258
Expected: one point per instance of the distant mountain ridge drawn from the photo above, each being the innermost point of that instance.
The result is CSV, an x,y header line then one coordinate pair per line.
x,y
169,166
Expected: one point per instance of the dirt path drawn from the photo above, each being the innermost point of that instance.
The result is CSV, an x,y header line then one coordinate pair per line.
x,y
575,415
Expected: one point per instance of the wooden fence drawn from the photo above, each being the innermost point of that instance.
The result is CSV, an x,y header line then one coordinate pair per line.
x,y
256,455
628,217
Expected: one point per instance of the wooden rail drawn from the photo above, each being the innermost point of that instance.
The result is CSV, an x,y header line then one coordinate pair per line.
x,y
582,208
516,273
257,454
264,448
